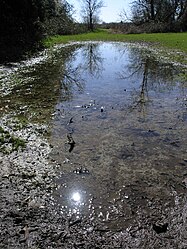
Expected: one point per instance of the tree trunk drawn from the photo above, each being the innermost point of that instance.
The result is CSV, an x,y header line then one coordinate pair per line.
x,y
152,10
91,22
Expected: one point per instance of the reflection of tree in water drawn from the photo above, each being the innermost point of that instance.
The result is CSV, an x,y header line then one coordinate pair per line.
x,y
71,75
154,76
39,86
71,81
93,62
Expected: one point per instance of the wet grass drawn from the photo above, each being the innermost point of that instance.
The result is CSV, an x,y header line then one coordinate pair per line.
x,y
171,40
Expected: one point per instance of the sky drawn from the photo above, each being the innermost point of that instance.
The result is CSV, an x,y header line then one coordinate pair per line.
x,y
109,13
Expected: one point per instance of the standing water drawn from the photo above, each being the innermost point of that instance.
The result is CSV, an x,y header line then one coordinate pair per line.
x,y
118,125
119,134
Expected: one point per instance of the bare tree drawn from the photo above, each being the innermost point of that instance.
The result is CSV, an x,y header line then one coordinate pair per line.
x,y
166,14
90,12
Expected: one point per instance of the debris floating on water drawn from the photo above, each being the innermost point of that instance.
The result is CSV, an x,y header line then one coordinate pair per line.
x,y
102,109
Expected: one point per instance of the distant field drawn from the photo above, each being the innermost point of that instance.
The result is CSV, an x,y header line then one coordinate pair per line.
x,y
171,40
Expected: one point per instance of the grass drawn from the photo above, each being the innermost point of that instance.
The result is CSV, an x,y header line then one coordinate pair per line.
x,y
170,40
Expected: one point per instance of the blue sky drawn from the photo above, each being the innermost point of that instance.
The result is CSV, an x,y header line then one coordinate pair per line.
x,y
110,13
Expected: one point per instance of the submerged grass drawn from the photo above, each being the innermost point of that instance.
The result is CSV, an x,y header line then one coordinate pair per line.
x,y
171,40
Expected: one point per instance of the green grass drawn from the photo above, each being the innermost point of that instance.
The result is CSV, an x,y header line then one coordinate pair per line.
x,y
170,40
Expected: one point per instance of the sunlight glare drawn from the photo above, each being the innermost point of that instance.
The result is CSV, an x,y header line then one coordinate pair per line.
x,y
76,197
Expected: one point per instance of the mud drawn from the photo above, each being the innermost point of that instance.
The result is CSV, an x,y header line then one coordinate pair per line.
x,y
104,158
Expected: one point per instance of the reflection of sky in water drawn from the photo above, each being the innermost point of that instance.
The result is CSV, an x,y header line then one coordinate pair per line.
x,y
76,203
100,72
115,67
81,196
117,124
76,197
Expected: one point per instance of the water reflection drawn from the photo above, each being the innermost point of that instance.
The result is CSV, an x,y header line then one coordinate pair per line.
x,y
93,60
117,130
71,81
157,71
149,71
128,161
38,86
76,197
149,77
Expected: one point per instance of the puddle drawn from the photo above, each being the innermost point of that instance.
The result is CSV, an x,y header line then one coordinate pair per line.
x,y
118,120
119,135
31,89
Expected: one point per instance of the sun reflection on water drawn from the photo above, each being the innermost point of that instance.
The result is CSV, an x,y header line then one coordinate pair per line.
x,y
76,197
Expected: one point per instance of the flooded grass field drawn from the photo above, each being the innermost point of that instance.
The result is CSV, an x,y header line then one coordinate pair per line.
x,y
117,125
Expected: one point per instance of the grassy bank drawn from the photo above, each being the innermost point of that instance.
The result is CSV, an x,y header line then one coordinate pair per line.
x,y
170,40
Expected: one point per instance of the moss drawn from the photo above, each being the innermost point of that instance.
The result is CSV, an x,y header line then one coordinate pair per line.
x,y
23,120
17,142
2,140
7,139
1,130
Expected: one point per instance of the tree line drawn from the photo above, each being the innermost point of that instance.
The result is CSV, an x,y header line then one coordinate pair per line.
x,y
160,15
24,23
